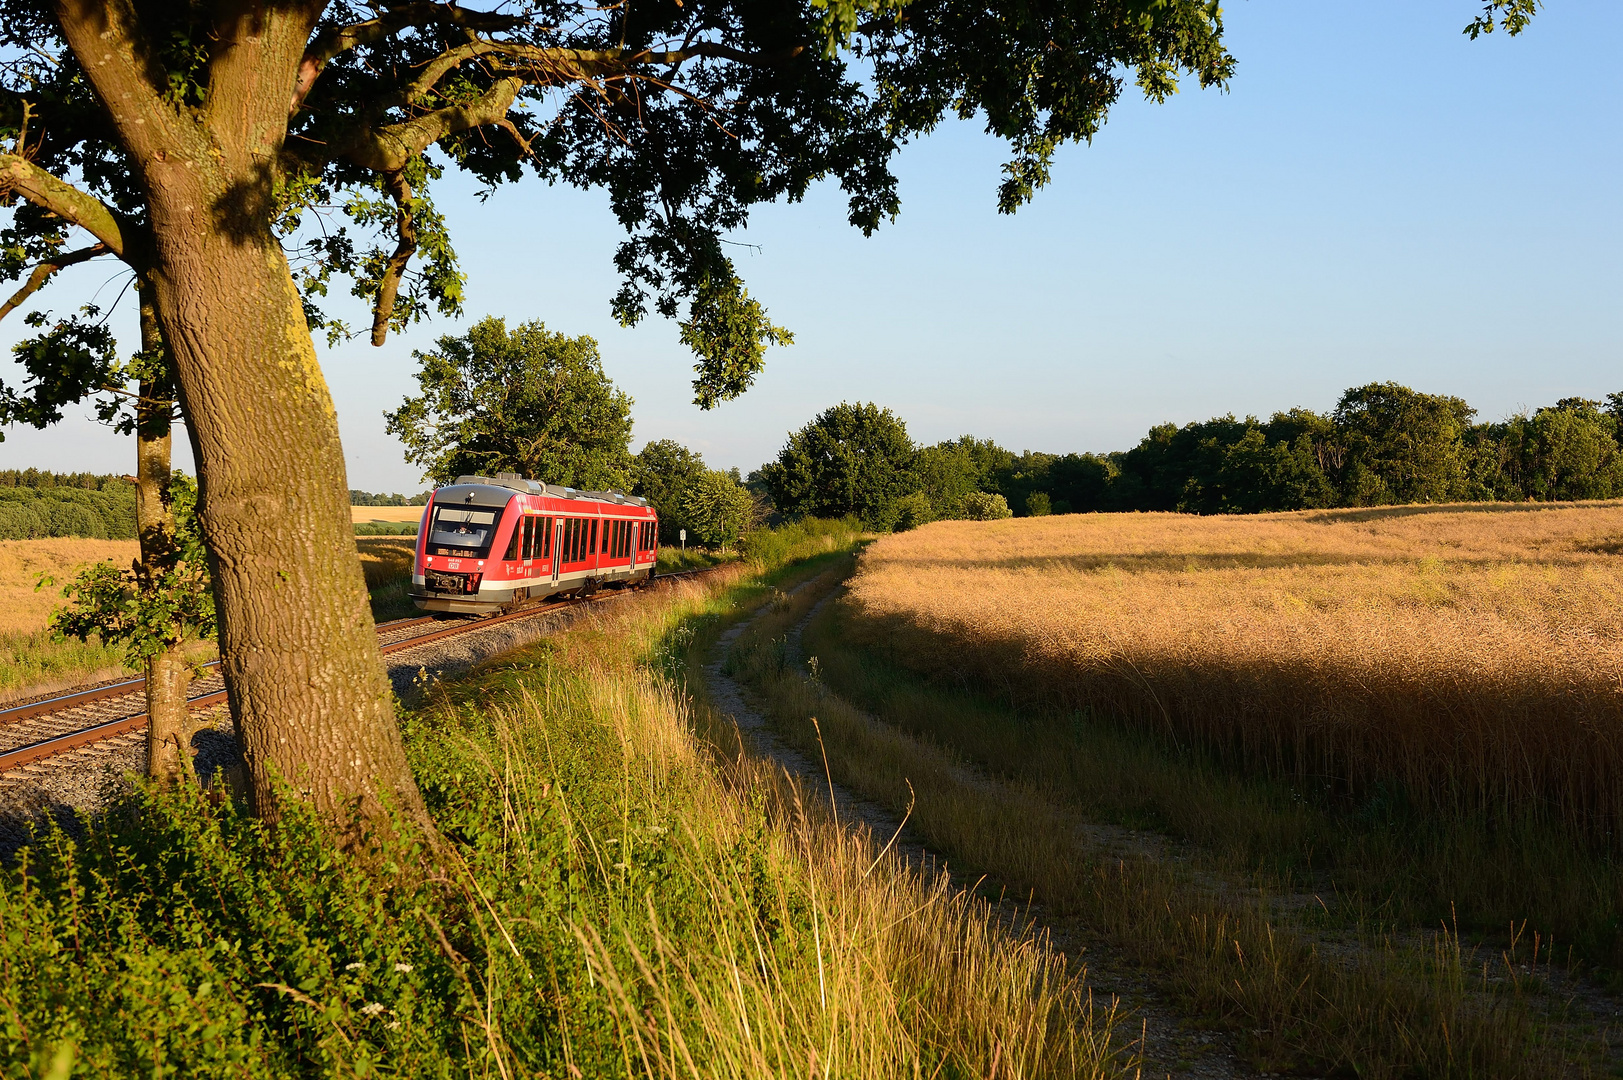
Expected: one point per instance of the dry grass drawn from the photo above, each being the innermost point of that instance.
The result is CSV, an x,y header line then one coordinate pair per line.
x,y
1375,1008
386,559
359,514
24,609
1471,654
745,934
31,662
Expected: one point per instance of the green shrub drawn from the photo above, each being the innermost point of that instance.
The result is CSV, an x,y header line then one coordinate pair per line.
x,y
798,540
913,510
979,506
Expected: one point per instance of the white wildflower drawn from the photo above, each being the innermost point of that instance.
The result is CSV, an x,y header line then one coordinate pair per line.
x,y
356,966
402,967
371,1008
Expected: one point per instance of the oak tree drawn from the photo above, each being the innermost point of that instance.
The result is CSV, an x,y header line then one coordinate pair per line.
x,y
199,142
528,401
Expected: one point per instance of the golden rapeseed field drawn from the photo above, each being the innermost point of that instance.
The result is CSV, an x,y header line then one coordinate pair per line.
x,y
1472,654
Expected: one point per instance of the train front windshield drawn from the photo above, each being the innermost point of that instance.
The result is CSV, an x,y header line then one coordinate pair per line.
x,y
462,532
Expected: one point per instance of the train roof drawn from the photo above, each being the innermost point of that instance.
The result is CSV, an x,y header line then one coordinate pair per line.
x,y
496,490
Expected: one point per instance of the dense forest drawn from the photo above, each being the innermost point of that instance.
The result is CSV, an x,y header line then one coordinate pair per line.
x,y
37,504
1382,444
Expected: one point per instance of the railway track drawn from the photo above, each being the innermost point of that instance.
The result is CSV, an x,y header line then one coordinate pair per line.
x,y
39,730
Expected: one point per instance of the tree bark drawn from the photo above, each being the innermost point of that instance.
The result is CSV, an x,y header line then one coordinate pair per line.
x,y
169,758
313,711
303,672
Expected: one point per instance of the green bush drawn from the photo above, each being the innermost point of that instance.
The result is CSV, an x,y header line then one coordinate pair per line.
x,y
798,540
386,528
20,522
980,506
913,510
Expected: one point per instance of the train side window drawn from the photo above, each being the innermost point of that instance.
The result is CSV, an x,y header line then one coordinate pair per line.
x,y
546,538
512,545
529,538
569,540
591,545
575,539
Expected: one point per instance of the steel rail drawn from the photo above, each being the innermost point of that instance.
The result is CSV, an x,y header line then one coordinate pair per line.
x,y
61,744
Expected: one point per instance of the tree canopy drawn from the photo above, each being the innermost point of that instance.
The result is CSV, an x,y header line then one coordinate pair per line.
x,y
528,401
687,114
662,472
852,460
718,508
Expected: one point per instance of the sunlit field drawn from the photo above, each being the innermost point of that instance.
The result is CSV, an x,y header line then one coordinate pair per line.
x,y
1470,656
31,661
381,514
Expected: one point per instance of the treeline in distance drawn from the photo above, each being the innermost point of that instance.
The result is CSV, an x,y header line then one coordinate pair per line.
x,y
1383,444
36,504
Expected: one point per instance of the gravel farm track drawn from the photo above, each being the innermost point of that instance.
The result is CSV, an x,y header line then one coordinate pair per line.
x,y
66,753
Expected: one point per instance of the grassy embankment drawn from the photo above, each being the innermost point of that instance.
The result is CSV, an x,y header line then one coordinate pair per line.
x,y
618,896
976,645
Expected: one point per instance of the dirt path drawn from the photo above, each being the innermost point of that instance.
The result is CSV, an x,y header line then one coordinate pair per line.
x,y
1172,1043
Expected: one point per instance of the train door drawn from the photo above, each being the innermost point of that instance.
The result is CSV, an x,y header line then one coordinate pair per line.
x,y
557,548
634,526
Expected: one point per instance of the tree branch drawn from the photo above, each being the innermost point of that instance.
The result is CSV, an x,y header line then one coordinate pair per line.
x,y
107,38
64,200
42,273
387,149
340,39
389,284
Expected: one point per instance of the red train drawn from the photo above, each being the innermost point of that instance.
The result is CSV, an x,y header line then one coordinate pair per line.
x,y
490,544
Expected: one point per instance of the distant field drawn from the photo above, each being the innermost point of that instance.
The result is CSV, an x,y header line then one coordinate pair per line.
x,y
23,609
360,514
31,662
1471,654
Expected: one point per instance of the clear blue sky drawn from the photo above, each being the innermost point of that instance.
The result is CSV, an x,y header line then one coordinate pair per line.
x,y
1375,198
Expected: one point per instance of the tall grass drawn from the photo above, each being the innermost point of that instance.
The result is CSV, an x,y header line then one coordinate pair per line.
x,y
615,897
1428,1007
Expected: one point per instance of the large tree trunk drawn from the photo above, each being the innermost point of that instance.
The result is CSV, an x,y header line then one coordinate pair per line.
x,y
169,758
304,674
313,711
